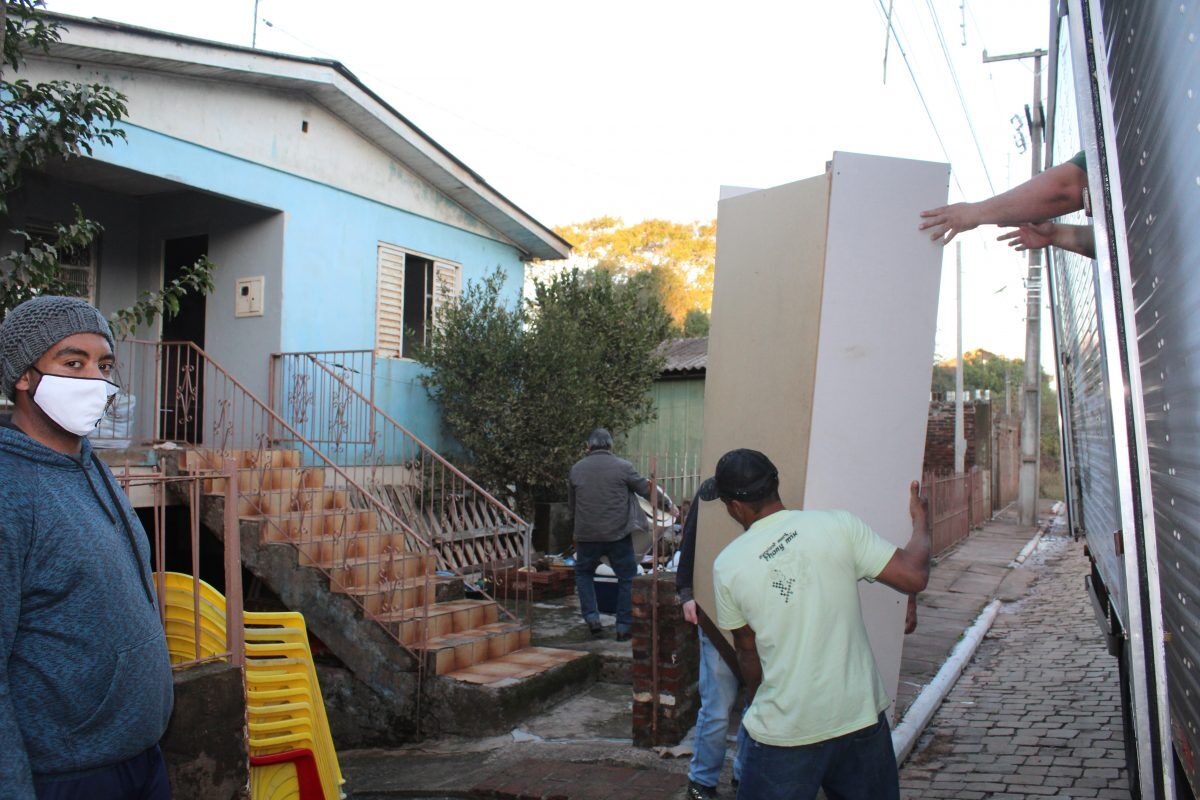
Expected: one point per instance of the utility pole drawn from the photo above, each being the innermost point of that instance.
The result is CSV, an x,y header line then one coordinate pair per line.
x,y
960,439
254,32
1031,416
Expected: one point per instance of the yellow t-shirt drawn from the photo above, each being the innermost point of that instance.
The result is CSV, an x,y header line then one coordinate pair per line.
x,y
792,577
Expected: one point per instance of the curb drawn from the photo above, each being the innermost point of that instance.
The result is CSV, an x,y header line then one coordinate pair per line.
x,y
905,736
916,719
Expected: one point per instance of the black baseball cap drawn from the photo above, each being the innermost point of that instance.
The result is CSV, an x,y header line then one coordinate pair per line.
x,y
741,474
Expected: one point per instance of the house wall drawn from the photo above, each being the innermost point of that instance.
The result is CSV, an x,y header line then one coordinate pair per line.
x,y
678,430
266,126
325,290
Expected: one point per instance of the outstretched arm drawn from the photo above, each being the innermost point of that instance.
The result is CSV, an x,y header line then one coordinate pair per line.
x,y
1076,238
908,569
1049,194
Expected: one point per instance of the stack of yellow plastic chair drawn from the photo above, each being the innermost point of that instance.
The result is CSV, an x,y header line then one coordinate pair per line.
x,y
180,613
284,705
291,750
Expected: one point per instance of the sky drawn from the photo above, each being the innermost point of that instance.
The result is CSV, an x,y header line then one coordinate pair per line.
x,y
644,108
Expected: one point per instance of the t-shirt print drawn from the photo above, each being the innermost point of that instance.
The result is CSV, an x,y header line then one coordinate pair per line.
x,y
790,571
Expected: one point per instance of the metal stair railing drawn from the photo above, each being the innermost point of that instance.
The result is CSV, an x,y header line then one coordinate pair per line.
x,y
332,398
175,392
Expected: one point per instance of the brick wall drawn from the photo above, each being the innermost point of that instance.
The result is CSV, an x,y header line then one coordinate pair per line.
x,y
939,438
678,665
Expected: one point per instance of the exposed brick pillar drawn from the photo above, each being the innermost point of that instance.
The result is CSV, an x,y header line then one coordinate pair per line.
x,y
678,665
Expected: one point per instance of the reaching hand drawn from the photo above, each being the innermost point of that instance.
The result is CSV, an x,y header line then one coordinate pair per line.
x,y
910,617
949,221
1030,236
689,612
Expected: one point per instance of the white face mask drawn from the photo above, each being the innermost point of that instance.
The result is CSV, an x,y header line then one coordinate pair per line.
x,y
76,404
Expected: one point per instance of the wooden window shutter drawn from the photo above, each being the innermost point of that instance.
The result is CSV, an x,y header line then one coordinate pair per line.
x,y
389,302
447,287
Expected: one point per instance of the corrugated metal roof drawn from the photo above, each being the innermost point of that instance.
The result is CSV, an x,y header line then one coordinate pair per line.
x,y
684,355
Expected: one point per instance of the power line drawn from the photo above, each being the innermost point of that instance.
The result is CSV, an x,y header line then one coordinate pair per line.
x,y
920,94
962,100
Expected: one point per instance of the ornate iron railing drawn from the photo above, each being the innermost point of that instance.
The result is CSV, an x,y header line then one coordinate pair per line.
x,y
173,392
330,397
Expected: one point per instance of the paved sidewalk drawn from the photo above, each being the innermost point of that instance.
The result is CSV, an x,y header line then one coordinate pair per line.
x,y
961,583
1037,712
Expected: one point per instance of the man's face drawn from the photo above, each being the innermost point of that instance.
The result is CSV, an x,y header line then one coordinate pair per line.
x,y
82,355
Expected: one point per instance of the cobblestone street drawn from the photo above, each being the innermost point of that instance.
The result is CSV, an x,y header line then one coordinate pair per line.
x,y
1037,711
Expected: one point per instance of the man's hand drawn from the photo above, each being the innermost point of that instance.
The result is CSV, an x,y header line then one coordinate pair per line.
x,y
689,612
1030,236
949,221
910,616
908,569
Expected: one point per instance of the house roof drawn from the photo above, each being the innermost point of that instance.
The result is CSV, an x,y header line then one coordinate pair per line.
x,y
328,82
684,356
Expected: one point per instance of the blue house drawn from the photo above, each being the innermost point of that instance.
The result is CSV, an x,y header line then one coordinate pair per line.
x,y
337,225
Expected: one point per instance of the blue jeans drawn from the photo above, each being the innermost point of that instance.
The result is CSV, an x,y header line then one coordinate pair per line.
x,y
857,766
143,777
718,693
624,564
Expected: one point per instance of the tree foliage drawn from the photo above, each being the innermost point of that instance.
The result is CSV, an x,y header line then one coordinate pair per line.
x,y
521,386
680,257
55,121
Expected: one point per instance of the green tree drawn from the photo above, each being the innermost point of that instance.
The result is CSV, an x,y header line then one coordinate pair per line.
x,y
681,256
520,387
56,121
696,323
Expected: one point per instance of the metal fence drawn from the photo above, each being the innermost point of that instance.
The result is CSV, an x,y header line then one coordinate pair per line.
x,y
168,490
958,502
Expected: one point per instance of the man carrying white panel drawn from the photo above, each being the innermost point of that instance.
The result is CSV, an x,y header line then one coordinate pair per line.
x,y
787,589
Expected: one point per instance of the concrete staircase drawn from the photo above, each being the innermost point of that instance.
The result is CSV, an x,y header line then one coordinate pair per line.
x,y
382,608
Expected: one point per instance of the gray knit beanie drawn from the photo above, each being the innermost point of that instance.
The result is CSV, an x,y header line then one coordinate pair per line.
x,y
35,326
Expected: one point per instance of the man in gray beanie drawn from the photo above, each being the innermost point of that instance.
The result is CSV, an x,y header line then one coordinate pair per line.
x,y
85,679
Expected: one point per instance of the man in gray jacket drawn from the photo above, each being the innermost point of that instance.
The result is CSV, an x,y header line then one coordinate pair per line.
x,y
601,497
85,679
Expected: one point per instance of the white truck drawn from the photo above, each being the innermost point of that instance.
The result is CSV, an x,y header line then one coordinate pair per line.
x,y
1125,88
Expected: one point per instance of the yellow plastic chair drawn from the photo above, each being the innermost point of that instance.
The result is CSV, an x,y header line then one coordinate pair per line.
x,y
289,730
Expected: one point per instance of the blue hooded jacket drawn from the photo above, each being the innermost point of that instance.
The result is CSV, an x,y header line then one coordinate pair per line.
x,y
85,679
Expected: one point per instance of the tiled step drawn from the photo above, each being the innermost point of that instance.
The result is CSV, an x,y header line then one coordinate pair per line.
x,y
400,596
272,504
463,649
258,479
307,526
343,549
443,619
517,665
373,573
204,459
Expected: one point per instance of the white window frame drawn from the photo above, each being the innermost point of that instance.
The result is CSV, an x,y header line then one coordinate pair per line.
x,y
391,262
89,271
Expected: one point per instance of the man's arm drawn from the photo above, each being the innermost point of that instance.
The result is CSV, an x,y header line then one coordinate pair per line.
x,y
687,562
748,661
641,486
908,569
1049,194
15,774
1032,236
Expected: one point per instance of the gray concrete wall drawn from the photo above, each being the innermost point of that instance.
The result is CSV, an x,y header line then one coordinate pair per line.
x,y
43,201
243,241
205,744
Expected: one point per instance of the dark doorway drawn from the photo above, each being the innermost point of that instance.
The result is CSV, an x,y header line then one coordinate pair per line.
x,y
182,407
